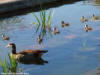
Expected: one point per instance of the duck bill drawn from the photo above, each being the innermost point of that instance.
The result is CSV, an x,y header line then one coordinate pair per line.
x,y
8,46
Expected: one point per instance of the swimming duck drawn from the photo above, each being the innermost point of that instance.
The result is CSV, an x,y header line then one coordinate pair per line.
x,y
64,24
25,55
55,30
94,17
5,37
87,28
39,39
83,19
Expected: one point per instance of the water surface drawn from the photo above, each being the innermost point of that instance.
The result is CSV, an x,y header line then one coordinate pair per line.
x,y
72,52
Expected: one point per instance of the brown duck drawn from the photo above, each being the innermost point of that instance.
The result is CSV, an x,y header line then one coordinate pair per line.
x,y
39,39
94,18
64,24
83,19
87,28
5,37
55,30
25,55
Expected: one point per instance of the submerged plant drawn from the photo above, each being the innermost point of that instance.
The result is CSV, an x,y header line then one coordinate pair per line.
x,y
44,22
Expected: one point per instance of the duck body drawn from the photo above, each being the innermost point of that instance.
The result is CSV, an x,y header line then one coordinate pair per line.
x,y
5,37
83,19
64,24
26,55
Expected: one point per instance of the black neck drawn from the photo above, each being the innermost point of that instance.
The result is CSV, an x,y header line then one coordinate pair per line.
x,y
14,49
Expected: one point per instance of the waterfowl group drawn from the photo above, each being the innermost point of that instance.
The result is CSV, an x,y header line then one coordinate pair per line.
x,y
64,24
87,28
4,37
25,55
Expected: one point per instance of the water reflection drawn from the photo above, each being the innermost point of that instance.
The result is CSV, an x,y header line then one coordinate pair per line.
x,y
35,61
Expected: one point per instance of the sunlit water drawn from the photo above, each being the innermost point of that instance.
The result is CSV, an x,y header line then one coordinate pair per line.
x,y
72,52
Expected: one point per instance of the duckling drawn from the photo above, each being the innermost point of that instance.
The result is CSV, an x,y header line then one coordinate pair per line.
x,y
5,37
94,17
87,28
83,19
25,55
39,39
56,31
64,24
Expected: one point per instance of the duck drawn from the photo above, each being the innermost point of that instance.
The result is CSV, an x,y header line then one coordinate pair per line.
x,y
83,19
56,31
94,17
25,55
64,24
88,28
5,37
39,39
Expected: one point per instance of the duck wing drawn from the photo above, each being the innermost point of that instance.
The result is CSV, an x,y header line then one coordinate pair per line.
x,y
37,53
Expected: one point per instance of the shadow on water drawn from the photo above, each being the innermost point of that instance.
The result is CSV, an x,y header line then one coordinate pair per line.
x,y
34,61
37,8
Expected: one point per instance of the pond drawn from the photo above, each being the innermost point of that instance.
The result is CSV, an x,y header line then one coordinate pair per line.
x,y
71,52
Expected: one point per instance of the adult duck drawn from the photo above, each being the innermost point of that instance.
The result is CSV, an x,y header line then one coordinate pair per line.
x,y
64,24
5,37
83,19
25,54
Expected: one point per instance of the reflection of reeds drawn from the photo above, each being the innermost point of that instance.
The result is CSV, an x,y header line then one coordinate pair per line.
x,y
44,22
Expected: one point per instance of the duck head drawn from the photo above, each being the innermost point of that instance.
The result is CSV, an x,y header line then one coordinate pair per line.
x,y
62,22
10,45
13,47
86,26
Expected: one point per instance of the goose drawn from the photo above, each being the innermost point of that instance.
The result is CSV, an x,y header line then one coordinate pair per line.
x,y
25,55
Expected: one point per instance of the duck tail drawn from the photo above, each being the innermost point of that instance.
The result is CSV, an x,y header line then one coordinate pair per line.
x,y
44,51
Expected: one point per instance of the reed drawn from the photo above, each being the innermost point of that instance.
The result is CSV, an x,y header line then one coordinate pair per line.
x,y
43,21
10,67
4,66
12,64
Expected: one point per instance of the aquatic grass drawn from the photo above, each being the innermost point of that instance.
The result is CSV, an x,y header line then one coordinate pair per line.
x,y
10,67
13,64
4,66
43,22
